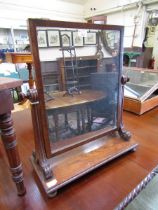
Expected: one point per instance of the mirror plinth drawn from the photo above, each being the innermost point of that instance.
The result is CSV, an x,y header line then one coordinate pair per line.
x,y
76,163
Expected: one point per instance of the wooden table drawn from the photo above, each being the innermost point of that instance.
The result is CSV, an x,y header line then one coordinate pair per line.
x,y
101,189
7,131
22,58
78,103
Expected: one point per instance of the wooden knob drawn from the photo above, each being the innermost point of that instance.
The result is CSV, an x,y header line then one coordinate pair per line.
x,y
124,79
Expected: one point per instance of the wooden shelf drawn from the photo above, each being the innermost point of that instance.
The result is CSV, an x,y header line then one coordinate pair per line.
x,y
19,58
85,65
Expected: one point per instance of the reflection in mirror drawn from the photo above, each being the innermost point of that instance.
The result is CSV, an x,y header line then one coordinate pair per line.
x,y
80,82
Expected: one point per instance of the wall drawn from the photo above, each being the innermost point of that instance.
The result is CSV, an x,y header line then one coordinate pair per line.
x,y
123,13
155,49
14,13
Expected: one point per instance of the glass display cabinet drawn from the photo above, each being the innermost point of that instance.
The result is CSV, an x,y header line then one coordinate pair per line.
x,y
77,103
141,91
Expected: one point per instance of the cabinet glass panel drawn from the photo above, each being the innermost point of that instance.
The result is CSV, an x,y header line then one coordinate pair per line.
x,y
80,82
142,84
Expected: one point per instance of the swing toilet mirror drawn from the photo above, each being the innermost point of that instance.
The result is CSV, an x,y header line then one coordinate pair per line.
x,y
78,88
77,102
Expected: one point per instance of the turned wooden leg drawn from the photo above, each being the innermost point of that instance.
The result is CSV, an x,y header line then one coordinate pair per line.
x,y
31,81
10,145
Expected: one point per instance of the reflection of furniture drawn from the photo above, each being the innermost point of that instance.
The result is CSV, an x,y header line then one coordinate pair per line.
x,y
7,132
51,81
15,91
85,65
141,90
22,58
50,76
78,103
130,58
107,82
71,83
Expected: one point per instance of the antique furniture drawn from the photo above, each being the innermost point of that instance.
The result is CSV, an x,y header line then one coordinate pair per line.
x,y
85,66
7,131
76,132
141,90
22,58
77,102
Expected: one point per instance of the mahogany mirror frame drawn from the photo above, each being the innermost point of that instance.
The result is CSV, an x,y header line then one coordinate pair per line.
x,y
43,125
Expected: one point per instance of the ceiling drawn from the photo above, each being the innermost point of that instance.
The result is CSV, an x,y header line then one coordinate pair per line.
x,y
76,1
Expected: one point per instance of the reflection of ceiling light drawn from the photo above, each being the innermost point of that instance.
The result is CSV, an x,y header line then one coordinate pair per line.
x,y
92,147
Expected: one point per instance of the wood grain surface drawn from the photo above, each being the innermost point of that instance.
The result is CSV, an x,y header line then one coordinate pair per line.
x,y
101,189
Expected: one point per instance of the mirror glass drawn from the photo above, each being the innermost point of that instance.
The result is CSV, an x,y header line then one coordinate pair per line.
x,y
80,82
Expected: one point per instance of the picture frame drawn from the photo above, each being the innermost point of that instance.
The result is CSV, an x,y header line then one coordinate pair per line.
x,y
53,38
90,39
42,39
77,39
66,38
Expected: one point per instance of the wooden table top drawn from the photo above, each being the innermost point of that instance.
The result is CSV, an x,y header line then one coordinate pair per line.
x,y
18,57
87,96
7,83
102,189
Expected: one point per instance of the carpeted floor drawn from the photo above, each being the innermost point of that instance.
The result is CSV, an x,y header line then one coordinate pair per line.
x,y
144,196
147,199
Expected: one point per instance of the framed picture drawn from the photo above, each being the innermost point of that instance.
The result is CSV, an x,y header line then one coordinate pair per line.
x,y
90,39
77,39
42,38
53,38
66,38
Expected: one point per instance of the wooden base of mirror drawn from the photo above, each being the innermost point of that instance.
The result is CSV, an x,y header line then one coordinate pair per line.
x,y
79,161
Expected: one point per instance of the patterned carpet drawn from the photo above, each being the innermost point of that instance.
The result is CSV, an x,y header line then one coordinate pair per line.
x,y
144,196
